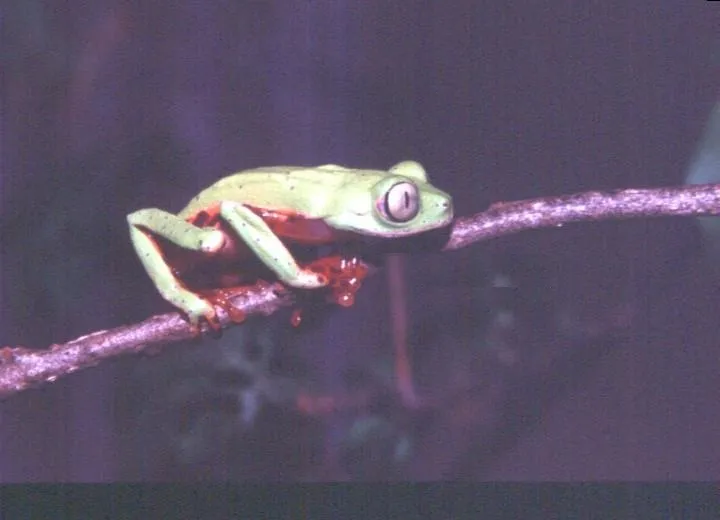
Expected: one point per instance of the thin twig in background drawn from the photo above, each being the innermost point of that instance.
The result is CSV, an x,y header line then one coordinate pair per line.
x,y
399,314
22,368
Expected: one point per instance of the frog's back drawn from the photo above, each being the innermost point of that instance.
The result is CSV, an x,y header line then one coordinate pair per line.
x,y
307,190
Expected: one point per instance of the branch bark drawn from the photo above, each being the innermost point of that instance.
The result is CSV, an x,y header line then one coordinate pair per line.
x,y
22,368
506,218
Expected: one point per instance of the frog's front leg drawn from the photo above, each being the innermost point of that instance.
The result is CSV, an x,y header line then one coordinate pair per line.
x,y
147,222
258,236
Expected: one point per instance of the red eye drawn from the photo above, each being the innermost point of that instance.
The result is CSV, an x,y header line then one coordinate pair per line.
x,y
401,202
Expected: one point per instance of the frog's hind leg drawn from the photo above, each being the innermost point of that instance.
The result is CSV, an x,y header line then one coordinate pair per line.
x,y
258,236
177,230
148,222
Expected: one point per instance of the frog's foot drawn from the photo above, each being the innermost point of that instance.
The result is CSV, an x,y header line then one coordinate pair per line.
x,y
223,298
199,309
310,279
345,275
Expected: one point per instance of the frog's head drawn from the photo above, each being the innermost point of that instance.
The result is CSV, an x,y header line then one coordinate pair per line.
x,y
398,203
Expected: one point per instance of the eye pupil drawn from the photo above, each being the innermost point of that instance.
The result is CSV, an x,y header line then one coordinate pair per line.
x,y
401,202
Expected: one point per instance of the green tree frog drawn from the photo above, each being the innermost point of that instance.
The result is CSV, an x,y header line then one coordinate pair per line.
x,y
263,212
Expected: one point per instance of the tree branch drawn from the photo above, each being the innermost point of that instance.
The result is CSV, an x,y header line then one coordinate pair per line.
x,y
506,218
22,368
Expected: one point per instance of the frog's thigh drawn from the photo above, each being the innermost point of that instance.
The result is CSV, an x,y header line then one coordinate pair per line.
x,y
176,230
158,270
258,236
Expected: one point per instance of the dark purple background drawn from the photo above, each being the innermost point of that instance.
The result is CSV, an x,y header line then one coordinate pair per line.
x,y
108,107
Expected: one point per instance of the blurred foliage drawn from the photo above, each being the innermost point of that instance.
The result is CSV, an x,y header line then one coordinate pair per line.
x,y
705,168
192,410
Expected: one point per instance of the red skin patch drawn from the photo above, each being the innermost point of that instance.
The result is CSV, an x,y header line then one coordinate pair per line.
x,y
345,274
294,227
225,271
221,298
